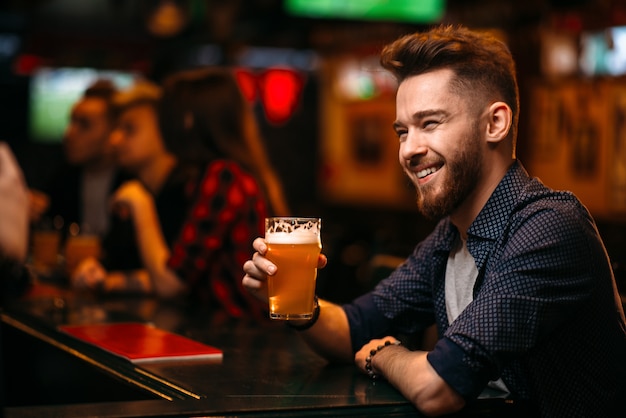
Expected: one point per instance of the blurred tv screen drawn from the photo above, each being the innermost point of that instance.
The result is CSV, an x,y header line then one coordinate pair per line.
x,y
53,92
603,52
412,11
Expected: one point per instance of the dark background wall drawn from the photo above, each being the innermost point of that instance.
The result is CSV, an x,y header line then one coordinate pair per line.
x,y
114,34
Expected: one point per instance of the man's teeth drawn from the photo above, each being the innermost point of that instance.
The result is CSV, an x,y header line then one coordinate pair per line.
x,y
423,173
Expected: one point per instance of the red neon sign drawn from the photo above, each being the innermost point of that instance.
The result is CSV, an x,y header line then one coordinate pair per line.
x,y
279,90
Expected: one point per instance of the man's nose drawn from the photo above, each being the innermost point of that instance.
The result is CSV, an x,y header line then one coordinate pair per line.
x,y
413,146
69,133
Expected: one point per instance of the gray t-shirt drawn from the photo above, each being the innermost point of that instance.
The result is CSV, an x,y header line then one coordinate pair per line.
x,y
461,275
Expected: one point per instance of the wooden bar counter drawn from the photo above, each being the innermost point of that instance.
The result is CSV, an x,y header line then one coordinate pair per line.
x,y
266,369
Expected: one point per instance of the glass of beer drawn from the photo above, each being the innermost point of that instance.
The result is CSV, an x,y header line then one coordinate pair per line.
x,y
45,250
79,246
293,245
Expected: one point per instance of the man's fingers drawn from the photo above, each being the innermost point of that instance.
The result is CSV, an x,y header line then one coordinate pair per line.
x,y
263,265
259,245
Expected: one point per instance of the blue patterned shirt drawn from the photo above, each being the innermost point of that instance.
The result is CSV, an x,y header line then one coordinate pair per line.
x,y
546,315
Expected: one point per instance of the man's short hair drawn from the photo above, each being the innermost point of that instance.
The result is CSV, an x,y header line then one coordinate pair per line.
x,y
139,94
482,64
104,90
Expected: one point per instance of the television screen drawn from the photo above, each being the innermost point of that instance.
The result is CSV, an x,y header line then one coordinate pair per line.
x,y
411,11
53,92
603,52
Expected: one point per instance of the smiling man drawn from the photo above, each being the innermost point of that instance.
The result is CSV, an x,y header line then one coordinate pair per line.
x,y
514,275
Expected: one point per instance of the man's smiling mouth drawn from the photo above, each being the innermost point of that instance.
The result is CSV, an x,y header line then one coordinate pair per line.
x,y
425,172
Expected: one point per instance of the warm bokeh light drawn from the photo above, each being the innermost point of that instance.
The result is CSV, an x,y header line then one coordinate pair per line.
x,y
280,93
279,89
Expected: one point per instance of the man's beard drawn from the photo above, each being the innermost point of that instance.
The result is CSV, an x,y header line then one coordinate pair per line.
x,y
463,172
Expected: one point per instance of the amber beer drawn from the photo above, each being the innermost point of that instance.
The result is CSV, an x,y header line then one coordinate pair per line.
x,y
294,246
45,250
79,247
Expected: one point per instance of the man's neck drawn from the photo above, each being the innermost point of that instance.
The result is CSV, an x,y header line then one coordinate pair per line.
x,y
465,214
96,167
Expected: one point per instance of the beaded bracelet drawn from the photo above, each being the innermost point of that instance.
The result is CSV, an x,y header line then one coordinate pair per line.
x,y
310,322
373,351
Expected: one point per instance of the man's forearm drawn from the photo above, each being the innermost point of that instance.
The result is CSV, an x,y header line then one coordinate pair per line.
x,y
330,336
412,374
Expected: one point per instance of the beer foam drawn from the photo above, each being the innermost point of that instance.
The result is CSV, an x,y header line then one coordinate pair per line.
x,y
295,237
292,230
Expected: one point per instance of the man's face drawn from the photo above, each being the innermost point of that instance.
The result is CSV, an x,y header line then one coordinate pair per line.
x,y
136,138
440,142
86,137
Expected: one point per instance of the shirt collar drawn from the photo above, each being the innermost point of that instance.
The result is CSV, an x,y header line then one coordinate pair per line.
x,y
493,217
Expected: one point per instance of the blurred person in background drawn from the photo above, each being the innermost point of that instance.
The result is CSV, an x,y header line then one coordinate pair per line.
x,y
216,204
147,210
79,191
205,119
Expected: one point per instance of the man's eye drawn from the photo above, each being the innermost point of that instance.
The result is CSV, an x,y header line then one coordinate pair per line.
x,y
429,124
401,134
83,124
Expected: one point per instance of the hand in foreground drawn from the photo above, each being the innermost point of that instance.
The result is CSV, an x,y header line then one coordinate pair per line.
x,y
258,268
88,275
13,207
360,358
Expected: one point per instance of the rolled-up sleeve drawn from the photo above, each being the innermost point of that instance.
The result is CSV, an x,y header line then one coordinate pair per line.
x,y
447,360
366,321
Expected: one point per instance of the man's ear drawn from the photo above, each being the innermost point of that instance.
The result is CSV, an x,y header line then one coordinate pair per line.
x,y
500,119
